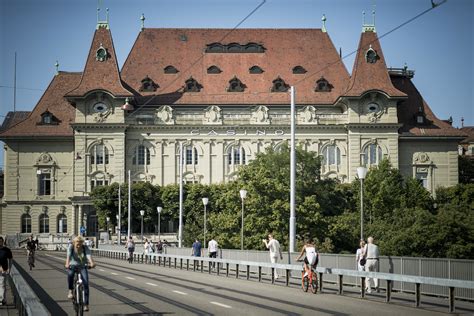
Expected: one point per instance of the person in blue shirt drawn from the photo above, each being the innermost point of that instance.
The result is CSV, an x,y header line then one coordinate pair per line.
x,y
197,251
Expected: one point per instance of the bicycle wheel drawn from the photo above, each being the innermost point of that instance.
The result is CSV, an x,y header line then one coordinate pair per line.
x,y
305,283
80,300
314,283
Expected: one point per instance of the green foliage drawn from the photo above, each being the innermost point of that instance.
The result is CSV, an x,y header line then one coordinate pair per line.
x,y
466,169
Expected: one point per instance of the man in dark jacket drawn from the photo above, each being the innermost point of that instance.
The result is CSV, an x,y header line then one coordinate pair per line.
x,y
5,265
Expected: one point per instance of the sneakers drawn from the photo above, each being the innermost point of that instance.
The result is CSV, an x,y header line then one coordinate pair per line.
x,y
368,290
69,294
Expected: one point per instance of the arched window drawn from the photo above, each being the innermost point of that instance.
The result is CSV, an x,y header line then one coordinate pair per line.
x,y
44,223
236,155
99,155
26,223
255,70
148,85
373,154
191,155
331,155
62,223
141,156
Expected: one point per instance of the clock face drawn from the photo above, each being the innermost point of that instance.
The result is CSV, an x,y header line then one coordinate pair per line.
x,y
100,107
373,107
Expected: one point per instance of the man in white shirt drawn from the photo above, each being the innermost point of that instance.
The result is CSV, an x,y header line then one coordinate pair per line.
x,y
212,248
371,253
274,246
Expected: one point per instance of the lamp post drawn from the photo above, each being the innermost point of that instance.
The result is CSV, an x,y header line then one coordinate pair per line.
x,y
107,228
142,212
243,195
118,229
361,173
205,201
159,209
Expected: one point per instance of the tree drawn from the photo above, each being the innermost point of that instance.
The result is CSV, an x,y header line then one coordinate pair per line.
x,y
466,169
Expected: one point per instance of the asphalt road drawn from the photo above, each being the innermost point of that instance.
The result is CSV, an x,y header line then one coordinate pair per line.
x,y
119,288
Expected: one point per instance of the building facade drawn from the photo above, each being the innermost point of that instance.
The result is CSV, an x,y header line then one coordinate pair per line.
x,y
217,103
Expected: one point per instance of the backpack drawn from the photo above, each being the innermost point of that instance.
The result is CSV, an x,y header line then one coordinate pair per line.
x,y
159,246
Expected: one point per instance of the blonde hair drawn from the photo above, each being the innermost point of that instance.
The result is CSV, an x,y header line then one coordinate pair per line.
x,y
78,239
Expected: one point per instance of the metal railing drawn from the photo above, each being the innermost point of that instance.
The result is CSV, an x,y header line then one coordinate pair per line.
x,y
26,301
252,267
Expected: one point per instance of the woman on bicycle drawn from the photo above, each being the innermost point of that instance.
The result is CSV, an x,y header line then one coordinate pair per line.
x,y
311,258
79,255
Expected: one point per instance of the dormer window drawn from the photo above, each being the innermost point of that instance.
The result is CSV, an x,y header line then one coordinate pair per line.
x,y
148,85
170,70
420,116
214,70
298,70
279,85
191,85
48,118
255,70
322,85
371,55
101,54
235,85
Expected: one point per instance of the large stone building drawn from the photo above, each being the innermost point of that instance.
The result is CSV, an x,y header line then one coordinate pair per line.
x,y
224,95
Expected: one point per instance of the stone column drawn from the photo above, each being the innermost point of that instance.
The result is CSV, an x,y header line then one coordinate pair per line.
x,y
72,225
80,218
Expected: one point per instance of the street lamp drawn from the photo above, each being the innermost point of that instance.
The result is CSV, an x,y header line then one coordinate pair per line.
x,y
108,220
243,195
142,212
361,173
205,201
159,209
118,229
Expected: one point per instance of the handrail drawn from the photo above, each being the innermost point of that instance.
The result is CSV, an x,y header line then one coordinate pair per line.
x,y
389,277
27,301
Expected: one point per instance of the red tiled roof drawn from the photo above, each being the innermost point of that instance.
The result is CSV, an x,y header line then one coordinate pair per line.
x,y
312,49
101,75
13,118
469,131
370,76
53,102
408,109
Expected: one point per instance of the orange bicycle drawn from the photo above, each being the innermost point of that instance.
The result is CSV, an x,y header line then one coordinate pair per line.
x,y
309,279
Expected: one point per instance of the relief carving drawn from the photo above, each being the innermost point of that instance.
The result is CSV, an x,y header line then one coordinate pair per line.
x,y
260,115
421,158
165,114
309,114
213,115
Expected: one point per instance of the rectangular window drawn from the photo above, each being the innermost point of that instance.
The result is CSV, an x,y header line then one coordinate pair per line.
x,y
44,185
422,177
26,225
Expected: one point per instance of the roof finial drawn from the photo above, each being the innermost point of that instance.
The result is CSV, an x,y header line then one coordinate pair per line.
x,y
324,23
57,67
367,27
462,121
102,24
373,16
142,18
363,18
107,15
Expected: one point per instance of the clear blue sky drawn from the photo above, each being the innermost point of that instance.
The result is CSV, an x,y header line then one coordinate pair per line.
x,y
439,45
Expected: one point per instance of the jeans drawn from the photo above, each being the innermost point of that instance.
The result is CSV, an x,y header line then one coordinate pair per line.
x,y
85,282
3,285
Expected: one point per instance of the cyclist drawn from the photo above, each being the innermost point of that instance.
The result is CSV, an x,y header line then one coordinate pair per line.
x,y
130,245
312,257
79,255
30,250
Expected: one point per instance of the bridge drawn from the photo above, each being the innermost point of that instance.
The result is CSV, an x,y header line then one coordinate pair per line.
x,y
174,285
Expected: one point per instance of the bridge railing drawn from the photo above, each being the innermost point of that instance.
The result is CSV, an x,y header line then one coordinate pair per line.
x,y
26,301
223,266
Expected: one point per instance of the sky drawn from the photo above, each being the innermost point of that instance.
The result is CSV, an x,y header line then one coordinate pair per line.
x,y
437,45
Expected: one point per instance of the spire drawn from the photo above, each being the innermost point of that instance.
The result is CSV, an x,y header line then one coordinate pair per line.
x,y
367,27
56,64
323,29
142,18
101,70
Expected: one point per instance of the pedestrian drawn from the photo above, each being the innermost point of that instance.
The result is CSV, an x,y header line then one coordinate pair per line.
x,y
37,243
69,243
196,251
275,251
159,246
371,253
5,266
130,245
212,249
360,259
88,242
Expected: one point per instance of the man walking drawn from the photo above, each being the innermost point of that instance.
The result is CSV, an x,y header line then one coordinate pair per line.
x,y
5,265
274,246
212,248
371,252
197,251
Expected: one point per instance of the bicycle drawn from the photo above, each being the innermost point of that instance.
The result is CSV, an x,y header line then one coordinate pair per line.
x,y
78,293
31,258
305,279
